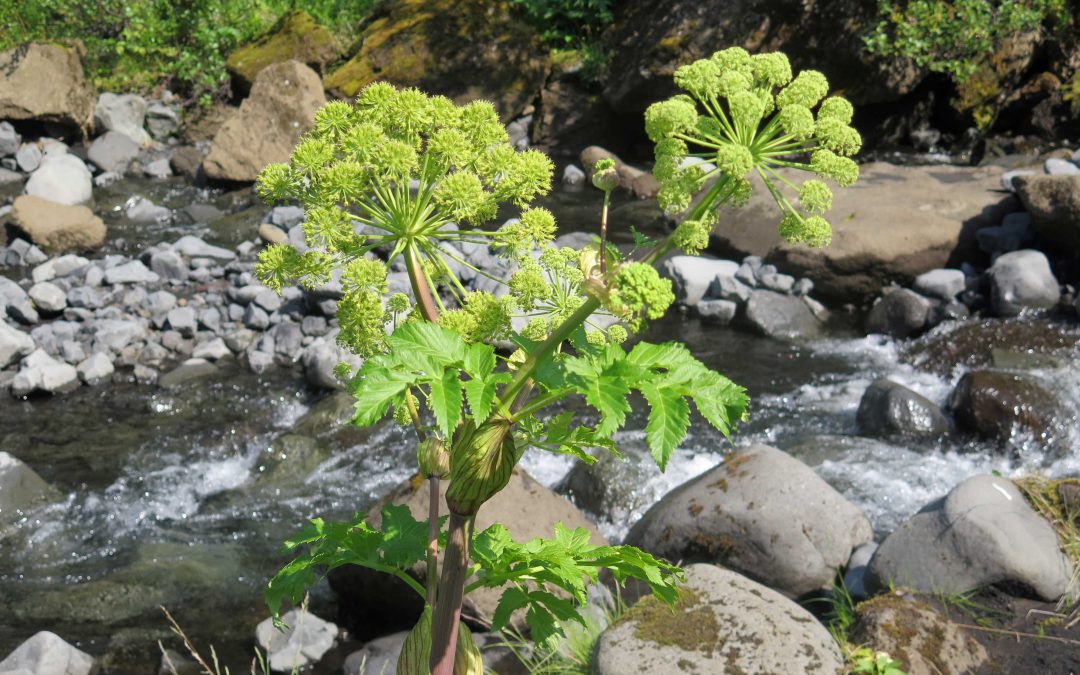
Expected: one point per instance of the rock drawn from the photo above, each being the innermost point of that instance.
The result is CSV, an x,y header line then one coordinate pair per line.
x,y
41,372
23,312
722,623
982,533
183,320
158,168
57,227
378,656
931,212
45,82
58,267
192,369
781,316
124,114
1022,280
888,408
287,217
9,140
113,152
996,404
47,654
212,350
267,299
923,640
321,357
1056,166
717,311
943,284
187,161
303,643
692,276
296,36
781,283
193,247
28,157
525,507
281,107
7,177
133,272
14,344
169,266
641,183
142,210
272,234
899,313
95,369
256,318
1009,178
115,334
761,513
48,297
63,179
856,570
20,489
573,176
419,44
161,120
1054,205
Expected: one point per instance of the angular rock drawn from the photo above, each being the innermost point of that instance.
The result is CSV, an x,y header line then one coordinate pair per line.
x,y
303,643
723,623
115,334
41,372
14,344
95,369
1054,205
9,140
45,82
124,114
193,247
187,161
57,227
899,313
281,107
256,318
982,533
169,266
63,179
888,408
782,316
377,656
20,489
212,350
943,284
321,357
761,513
113,152
1022,280
48,297
133,272
182,320
58,267
47,654
162,121
692,276
158,168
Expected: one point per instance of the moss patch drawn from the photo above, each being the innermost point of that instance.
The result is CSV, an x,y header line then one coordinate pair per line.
x,y
688,625
295,36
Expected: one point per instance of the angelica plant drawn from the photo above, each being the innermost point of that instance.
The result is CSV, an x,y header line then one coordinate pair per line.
x,y
403,178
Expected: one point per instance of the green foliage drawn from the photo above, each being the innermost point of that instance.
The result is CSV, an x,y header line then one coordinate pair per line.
x,y
866,660
955,36
747,115
567,21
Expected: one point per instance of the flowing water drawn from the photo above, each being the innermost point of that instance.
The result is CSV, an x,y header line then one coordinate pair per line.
x,y
181,497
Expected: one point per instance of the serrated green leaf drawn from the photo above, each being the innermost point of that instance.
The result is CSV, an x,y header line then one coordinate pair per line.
x,y
446,401
422,338
543,628
404,539
510,601
481,395
374,389
669,419
479,360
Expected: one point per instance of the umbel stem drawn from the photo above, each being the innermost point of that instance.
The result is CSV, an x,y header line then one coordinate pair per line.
x,y
447,617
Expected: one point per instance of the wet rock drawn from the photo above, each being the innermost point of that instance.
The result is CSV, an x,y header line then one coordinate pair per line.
x,y
190,370
47,654
113,152
943,284
693,276
378,656
717,311
924,641
72,352
781,316
982,533
96,369
193,247
761,513
899,313
41,372
45,82
611,487
14,344
48,297
281,107
142,210
57,227
888,408
303,643
133,272
774,635
63,179
124,114
974,343
996,404
1022,280
20,489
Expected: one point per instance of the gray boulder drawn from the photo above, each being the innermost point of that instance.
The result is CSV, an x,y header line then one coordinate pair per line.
x,y
193,247
142,210
124,114
96,369
782,316
321,357
899,313
717,311
1022,280
158,168
115,334
169,265
9,140
692,276
14,344
997,404
982,533
722,623
762,513
943,284
161,120
133,272
889,408
58,267
28,157
63,179
378,657
183,320
303,642
113,152
41,372
48,297
47,654
212,350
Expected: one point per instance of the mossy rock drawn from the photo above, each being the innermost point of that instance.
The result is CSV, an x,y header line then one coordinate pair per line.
x,y
295,36
466,50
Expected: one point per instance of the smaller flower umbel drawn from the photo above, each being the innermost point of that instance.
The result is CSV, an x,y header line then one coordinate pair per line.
x,y
746,114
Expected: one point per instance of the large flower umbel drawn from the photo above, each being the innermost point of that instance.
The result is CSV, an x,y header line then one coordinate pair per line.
x,y
746,114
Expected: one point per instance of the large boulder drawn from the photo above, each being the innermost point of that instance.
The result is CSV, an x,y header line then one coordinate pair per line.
x,y
692,277
888,408
45,82
268,124
899,312
996,404
982,533
124,114
61,178
42,373
525,507
57,227
467,50
722,623
894,224
1022,280
47,654
295,37
1054,205
113,151
782,316
14,344
762,513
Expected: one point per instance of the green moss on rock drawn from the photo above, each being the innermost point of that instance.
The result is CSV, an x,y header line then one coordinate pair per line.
x,y
295,36
689,625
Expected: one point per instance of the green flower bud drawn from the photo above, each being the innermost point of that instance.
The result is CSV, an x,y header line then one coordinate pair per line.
x,y
674,197
733,59
814,231
741,190
617,334
700,78
665,168
747,109
274,183
361,142
733,82
528,285
837,136
333,120
639,291
479,121
451,148
806,90
432,458
343,371
443,112
596,338
670,147
481,463
376,102
529,177
815,195
692,236
605,177
828,164
362,320
311,155
708,127
396,160
674,116
278,265
734,160
344,182
462,195
837,108
363,274
537,329
771,69
398,303
797,121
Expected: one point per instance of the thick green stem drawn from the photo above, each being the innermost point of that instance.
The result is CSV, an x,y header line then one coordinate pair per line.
x,y
420,285
433,541
603,235
447,617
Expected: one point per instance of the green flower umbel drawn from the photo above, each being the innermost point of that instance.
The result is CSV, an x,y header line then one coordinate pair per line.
x,y
746,114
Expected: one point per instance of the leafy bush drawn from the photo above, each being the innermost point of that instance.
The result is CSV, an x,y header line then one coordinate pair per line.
x,y
567,21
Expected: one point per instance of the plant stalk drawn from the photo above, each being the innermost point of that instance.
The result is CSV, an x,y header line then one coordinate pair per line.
x,y
447,616
603,235
433,541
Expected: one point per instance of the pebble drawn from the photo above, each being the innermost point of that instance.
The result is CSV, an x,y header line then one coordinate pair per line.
x,y
48,297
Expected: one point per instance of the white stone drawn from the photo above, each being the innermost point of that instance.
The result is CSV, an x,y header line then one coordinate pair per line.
x,y
193,247
95,369
573,175
48,297
211,350
133,272
41,372
124,113
47,654
63,179
303,642
142,210
944,284
14,344
58,267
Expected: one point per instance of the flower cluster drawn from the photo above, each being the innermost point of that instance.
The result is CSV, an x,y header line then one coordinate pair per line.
x,y
408,176
746,115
